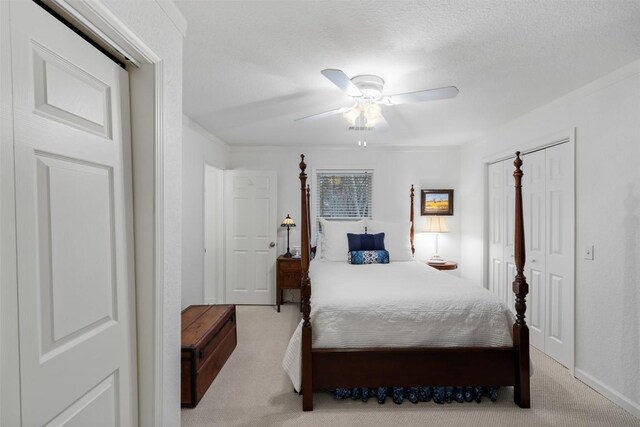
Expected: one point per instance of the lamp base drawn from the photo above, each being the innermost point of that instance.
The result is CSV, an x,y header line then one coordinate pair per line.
x,y
288,255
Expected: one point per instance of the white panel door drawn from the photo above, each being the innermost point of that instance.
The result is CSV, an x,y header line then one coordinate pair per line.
x,y
496,230
533,195
73,209
559,270
250,229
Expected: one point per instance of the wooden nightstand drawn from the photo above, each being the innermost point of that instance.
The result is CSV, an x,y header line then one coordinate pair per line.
x,y
288,276
449,265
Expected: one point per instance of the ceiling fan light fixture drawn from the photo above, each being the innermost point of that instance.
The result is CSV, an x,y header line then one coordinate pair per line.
x,y
372,111
370,86
365,90
352,115
371,93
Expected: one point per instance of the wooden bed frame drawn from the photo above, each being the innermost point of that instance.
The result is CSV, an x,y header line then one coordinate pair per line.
x,y
326,368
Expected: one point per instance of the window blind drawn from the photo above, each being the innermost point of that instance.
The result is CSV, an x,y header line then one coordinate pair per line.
x,y
344,195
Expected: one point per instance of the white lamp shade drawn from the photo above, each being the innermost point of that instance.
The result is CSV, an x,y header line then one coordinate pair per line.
x,y
436,224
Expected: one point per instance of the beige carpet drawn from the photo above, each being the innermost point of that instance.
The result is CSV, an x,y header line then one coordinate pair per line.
x,y
253,390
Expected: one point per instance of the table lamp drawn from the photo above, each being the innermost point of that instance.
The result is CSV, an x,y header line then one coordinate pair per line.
x,y
437,225
288,222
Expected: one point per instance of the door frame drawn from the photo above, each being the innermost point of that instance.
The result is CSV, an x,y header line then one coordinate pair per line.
x,y
567,136
147,141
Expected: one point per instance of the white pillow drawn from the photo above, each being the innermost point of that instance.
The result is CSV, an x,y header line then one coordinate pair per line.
x,y
319,246
396,238
335,245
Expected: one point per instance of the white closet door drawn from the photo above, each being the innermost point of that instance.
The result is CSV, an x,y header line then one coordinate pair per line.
x,y
509,233
534,191
496,230
548,207
250,226
73,210
559,269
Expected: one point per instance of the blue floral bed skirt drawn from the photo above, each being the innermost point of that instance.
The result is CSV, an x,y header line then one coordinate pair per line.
x,y
418,394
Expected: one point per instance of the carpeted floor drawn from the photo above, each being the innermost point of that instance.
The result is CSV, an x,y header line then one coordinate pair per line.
x,y
253,390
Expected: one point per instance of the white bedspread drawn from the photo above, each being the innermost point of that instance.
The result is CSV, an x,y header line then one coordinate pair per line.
x,y
401,304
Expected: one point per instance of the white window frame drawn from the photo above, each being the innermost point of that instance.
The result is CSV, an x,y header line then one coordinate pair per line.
x,y
315,195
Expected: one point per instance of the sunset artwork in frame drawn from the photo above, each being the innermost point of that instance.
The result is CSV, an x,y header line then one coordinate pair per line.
x,y
436,202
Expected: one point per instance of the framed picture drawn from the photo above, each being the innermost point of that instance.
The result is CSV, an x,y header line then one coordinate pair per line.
x,y
436,202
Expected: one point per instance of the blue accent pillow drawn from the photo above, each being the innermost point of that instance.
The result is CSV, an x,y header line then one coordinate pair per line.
x,y
369,257
366,242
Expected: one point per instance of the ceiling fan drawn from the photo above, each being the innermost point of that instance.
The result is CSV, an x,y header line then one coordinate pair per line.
x,y
366,92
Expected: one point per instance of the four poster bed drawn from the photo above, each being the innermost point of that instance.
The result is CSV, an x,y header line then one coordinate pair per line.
x,y
420,327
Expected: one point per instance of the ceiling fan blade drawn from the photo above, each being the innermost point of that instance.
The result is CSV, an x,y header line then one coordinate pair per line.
x,y
322,115
422,95
340,79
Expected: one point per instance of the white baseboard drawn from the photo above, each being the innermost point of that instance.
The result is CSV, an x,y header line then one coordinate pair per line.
x,y
632,407
209,301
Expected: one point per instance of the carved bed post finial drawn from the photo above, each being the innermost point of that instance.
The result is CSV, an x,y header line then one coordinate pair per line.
x,y
521,289
303,165
412,232
305,290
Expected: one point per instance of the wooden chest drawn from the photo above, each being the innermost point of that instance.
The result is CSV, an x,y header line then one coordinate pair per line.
x,y
208,339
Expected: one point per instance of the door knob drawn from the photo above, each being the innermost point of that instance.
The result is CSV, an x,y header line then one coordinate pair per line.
x,y
272,244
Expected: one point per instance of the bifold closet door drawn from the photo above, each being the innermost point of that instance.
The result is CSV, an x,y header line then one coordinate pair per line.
x,y
509,272
547,189
502,269
74,227
558,262
496,182
534,207
548,212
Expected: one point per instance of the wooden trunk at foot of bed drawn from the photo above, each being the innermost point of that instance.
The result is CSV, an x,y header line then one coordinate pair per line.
x,y
325,368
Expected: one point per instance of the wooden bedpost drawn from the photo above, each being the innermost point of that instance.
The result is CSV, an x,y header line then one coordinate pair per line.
x,y
305,289
521,289
411,233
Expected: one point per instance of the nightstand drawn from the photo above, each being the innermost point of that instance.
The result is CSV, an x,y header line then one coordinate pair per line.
x,y
288,276
449,265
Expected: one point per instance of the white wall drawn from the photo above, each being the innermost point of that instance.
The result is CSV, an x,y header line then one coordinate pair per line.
x,y
395,169
606,117
198,147
471,205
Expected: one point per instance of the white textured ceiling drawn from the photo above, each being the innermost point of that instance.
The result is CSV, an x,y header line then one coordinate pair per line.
x,y
252,67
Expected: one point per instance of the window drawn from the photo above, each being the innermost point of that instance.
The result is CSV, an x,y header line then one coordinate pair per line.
x,y
344,194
